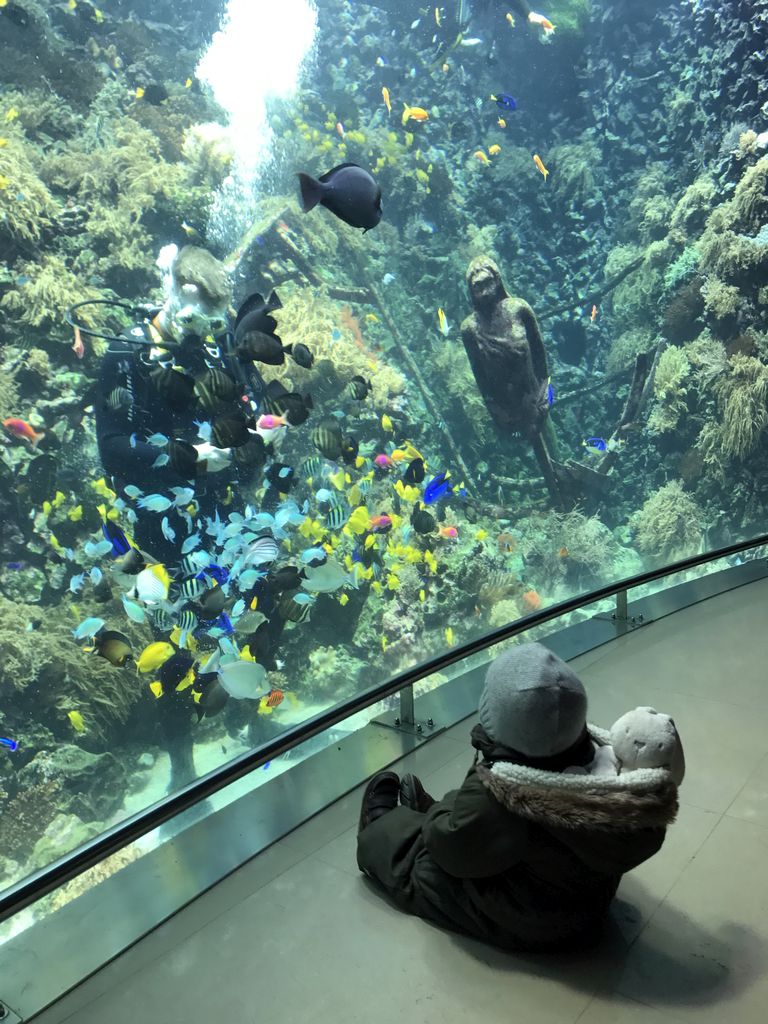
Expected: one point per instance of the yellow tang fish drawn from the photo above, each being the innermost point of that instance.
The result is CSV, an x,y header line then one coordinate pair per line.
x,y
139,93
154,655
371,318
344,599
187,83
449,638
442,320
386,423
422,596
480,155
494,150
77,721
540,165
385,97
358,521
393,582
501,123
157,688
75,513
12,113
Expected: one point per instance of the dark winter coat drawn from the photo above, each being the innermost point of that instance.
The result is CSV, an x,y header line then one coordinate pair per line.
x,y
520,857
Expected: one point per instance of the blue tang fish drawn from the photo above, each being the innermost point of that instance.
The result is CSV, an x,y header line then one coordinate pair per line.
x,y
504,101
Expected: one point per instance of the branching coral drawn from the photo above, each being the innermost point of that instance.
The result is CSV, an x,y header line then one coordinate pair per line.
x,y
720,300
668,526
26,205
742,400
669,391
49,288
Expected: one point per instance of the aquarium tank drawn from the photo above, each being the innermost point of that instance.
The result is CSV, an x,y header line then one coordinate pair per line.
x,y
336,334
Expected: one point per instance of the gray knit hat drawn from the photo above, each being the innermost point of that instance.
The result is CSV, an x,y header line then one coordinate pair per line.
x,y
532,702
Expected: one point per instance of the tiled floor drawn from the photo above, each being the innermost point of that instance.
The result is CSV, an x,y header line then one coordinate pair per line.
x,y
298,936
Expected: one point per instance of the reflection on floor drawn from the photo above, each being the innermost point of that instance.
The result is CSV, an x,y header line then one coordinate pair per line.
x,y
298,936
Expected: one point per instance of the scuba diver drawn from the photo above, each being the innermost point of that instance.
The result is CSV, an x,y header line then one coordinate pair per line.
x,y
175,409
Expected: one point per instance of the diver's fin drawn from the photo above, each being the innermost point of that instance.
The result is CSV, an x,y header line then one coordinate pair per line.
x,y
312,192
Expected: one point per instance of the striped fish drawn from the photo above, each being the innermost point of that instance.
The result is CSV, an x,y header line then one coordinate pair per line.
x,y
192,587
263,551
187,620
337,515
119,399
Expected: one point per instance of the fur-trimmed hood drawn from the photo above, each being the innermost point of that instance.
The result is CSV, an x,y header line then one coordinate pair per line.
x,y
641,799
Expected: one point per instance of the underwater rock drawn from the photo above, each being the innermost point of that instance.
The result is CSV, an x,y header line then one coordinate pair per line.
x,y
66,832
91,785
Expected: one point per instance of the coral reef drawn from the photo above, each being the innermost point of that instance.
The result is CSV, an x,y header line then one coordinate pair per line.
x,y
742,400
669,391
669,525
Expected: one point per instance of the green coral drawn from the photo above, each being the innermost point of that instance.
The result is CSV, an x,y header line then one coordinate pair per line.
x,y
693,208
627,347
682,268
720,300
742,401
668,526
49,289
669,390
27,207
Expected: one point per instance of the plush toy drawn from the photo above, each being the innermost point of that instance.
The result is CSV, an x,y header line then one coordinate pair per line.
x,y
644,738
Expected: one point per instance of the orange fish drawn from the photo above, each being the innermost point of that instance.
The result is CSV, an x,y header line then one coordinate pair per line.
x,y
414,114
507,542
385,97
501,123
531,601
22,430
540,165
449,532
274,698
563,552
539,19
593,314
77,346
340,128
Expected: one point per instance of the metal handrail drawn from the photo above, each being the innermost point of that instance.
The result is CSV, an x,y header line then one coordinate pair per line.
x,y
39,884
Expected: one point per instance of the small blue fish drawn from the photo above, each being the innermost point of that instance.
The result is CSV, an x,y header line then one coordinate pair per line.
x,y
96,550
133,440
190,543
504,101
302,598
133,491
88,628
76,583
158,440
249,578
550,393
96,575
155,503
161,460
335,334
388,279
595,444
15,565
237,609
133,610
204,430
182,495
11,744
168,531
314,555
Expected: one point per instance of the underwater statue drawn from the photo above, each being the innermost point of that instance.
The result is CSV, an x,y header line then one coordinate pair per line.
x,y
506,352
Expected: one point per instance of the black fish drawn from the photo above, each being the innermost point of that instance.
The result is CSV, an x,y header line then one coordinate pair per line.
x,y
253,314
422,521
155,94
253,452
291,404
281,476
415,472
287,577
348,191
302,356
350,447
183,459
230,431
215,388
263,348
173,670
114,647
212,603
326,437
360,388
213,699
176,388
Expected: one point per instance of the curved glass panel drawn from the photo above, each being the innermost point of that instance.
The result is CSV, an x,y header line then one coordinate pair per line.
x,y
269,440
